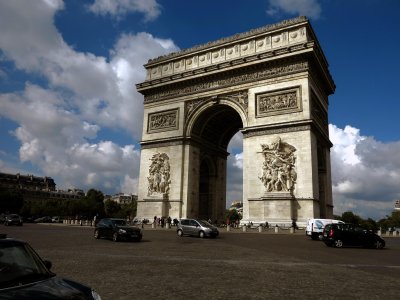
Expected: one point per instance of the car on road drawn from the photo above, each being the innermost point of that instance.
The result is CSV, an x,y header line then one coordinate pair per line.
x,y
194,227
117,229
45,219
24,275
315,227
13,219
339,235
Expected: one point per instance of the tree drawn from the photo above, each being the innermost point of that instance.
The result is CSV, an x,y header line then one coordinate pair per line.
x,y
111,208
232,215
349,217
11,200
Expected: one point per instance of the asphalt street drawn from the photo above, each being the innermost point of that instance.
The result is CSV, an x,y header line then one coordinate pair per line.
x,y
236,265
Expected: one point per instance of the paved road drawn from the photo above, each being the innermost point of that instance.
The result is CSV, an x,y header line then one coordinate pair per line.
x,y
236,265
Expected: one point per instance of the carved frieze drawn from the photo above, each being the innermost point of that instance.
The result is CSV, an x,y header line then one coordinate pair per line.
x,y
278,170
269,131
278,102
210,83
159,175
163,121
239,46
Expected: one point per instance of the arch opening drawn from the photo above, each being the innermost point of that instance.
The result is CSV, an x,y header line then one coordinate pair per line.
x,y
213,130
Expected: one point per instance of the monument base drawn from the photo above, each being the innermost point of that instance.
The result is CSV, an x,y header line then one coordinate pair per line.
x,y
279,209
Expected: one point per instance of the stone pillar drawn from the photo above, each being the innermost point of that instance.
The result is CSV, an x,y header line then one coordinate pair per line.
x,y
276,229
260,229
244,228
228,228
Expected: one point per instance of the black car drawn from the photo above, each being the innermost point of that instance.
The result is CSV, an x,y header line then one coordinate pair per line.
x,y
13,219
339,235
117,229
24,275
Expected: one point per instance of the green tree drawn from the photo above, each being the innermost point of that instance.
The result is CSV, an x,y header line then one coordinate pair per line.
x,y
92,204
349,217
112,208
11,200
232,215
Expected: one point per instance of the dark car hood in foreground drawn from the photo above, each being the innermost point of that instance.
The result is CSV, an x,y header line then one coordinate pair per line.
x,y
48,289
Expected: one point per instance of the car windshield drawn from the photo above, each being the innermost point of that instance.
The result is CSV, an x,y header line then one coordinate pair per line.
x,y
204,223
19,264
119,222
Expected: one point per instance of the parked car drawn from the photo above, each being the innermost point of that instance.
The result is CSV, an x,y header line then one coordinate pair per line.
x,y
24,275
196,227
339,235
315,227
13,219
57,219
45,219
117,229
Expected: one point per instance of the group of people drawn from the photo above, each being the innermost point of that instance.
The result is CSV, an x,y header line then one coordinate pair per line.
x,y
163,221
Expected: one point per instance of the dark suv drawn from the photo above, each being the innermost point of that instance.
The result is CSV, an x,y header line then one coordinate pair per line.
x,y
117,229
339,235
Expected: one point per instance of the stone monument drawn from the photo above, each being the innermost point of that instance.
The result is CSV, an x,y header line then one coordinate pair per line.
x,y
271,84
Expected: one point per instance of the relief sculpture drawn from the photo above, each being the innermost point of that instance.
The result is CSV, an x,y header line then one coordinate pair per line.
x,y
163,120
159,175
277,102
278,171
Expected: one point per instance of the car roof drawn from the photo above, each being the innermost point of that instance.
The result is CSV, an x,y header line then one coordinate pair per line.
x,y
6,240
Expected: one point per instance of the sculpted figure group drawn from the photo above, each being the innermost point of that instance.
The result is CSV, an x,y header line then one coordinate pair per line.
x,y
278,173
159,175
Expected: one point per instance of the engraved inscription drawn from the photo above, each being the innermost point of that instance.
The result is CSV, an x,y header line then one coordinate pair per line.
x,y
161,121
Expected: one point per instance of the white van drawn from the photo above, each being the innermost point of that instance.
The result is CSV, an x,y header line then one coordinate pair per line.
x,y
316,226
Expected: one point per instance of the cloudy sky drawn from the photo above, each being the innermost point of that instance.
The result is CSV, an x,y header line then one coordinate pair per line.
x,y
69,108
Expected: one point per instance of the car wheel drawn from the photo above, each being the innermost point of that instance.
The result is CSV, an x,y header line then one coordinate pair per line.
x,y
338,243
378,244
96,234
115,237
201,234
179,232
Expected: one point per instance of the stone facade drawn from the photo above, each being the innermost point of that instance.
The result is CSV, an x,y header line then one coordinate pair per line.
x,y
272,84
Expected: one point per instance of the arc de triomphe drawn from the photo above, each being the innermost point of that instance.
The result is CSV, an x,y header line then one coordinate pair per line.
x,y
272,84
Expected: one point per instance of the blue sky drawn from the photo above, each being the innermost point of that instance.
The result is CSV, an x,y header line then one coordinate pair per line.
x,y
69,108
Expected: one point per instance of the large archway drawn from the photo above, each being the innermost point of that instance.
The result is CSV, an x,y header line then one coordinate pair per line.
x,y
212,129
272,84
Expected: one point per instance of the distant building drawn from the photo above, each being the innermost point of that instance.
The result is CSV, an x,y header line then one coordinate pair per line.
x,y
27,182
397,205
122,198
37,188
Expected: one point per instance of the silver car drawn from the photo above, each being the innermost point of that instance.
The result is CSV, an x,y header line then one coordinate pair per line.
x,y
196,227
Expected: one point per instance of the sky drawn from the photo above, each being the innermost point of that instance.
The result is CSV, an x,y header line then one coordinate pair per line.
x,y
69,108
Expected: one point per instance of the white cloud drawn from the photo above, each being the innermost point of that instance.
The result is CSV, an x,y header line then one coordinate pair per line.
x,y
365,173
83,93
309,8
119,8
